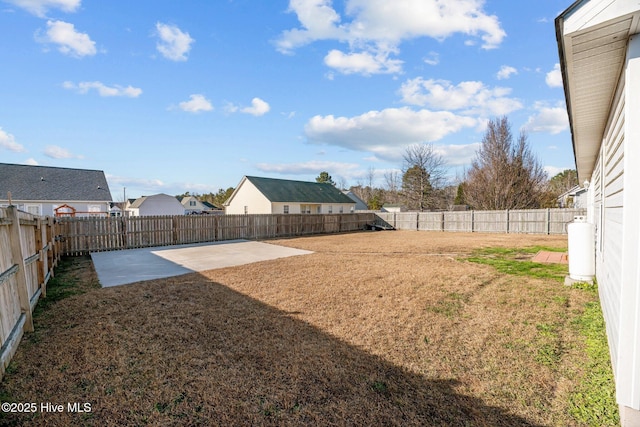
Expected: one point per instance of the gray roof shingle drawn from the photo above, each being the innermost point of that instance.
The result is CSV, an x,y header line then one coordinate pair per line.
x,y
283,190
52,183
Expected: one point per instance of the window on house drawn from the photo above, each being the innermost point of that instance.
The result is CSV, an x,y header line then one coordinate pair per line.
x,y
94,210
246,210
192,202
318,209
341,209
34,209
286,209
330,209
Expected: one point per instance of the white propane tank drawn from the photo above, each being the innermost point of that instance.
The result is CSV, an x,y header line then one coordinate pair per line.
x,y
581,249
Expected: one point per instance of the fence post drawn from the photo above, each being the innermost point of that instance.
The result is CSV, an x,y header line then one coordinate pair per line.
x,y
174,225
507,221
548,221
43,265
18,258
473,223
52,246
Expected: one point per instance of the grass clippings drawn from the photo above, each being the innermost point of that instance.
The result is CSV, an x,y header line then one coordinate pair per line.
x,y
386,328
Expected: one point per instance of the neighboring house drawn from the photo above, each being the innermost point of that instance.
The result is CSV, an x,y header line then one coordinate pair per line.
x,y
119,209
575,197
360,204
116,209
213,209
158,204
192,205
256,195
47,191
599,48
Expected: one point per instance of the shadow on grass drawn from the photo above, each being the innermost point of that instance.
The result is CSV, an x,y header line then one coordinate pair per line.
x,y
188,351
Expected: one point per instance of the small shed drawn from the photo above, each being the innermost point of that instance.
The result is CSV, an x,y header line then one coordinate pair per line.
x,y
157,204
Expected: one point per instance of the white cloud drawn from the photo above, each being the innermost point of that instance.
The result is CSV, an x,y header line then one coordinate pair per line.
x,y
378,27
457,155
554,170
506,72
385,133
69,41
432,59
55,152
196,104
548,119
104,90
40,7
469,98
174,44
362,63
319,21
258,107
135,182
8,142
554,77
310,167
31,161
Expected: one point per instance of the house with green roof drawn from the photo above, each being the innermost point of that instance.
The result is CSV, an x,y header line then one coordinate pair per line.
x,y
256,195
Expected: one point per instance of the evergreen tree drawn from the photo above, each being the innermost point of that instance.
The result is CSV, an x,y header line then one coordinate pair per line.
x,y
324,177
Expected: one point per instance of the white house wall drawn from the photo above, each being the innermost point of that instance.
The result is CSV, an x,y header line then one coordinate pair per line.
x,y
47,208
248,195
325,208
628,384
615,211
609,190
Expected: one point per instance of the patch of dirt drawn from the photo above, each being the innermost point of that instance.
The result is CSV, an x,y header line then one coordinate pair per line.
x,y
374,328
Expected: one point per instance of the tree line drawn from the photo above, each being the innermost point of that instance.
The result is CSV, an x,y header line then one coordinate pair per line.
x,y
505,174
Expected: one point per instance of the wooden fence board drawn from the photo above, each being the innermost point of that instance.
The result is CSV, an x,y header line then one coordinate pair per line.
x,y
27,257
93,234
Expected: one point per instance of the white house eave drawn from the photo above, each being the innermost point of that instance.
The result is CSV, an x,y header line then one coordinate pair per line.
x,y
592,42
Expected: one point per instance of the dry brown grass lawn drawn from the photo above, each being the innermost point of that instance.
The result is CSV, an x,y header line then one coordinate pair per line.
x,y
374,328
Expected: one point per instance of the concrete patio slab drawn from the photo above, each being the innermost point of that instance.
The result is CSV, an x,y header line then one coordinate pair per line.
x,y
134,265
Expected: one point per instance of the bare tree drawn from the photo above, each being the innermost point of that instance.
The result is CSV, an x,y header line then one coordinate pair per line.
x,y
423,174
504,174
342,183
393,183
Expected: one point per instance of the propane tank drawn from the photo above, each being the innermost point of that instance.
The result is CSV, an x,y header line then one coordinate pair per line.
x,y
581,249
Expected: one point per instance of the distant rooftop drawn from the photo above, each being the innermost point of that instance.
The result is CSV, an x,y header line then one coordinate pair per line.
x,y
27,182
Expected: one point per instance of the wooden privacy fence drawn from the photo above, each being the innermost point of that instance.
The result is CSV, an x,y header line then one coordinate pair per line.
x,y
92,234
533,221
27,257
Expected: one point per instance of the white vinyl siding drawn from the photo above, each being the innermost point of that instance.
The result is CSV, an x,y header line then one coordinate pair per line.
x,y
627,365
609,216
247,195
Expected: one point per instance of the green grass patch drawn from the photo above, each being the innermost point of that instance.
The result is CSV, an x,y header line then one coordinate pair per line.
x,y
450,306
518,262
70,279
593,402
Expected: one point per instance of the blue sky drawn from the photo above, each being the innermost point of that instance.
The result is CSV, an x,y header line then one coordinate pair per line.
x,y
171,96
